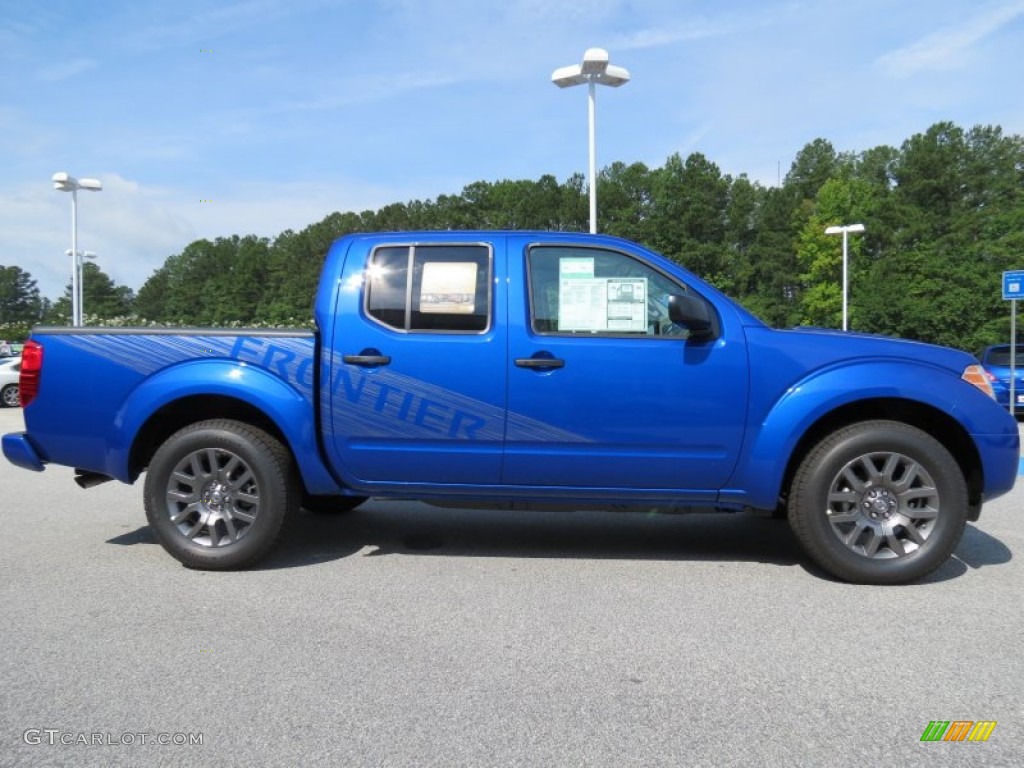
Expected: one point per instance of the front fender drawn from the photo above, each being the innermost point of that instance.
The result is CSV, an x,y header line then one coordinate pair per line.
x,y
763,464
281,402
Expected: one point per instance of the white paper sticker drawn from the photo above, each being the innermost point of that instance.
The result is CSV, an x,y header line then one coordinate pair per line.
x,y
617,304
627,304
576,267
448,287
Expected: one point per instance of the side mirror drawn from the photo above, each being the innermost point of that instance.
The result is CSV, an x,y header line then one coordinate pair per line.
x,y
691,313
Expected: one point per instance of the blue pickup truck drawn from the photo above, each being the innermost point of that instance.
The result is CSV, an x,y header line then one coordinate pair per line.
x,y
524,370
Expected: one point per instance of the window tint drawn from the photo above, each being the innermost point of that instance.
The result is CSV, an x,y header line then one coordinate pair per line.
x,y
593,291
443,288
388,277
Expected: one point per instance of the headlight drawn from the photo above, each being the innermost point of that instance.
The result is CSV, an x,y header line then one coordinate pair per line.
x,y
979,377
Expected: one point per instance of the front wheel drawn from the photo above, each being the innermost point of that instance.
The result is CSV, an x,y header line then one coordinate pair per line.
x,y
879,502
217,494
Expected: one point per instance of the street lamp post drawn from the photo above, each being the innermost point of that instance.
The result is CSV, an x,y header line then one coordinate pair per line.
x,y
79,264
845,231
65,182
595,70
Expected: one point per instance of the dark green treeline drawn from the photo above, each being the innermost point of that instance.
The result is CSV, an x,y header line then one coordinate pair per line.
x,y
944,215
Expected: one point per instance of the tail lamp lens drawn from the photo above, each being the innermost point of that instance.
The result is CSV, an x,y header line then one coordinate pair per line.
x,y
31,367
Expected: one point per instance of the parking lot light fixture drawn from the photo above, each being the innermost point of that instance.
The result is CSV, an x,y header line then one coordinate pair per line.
x,y
65,182
845,231
594,70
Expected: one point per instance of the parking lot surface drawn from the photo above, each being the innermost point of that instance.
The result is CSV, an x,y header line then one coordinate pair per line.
x,y
404,635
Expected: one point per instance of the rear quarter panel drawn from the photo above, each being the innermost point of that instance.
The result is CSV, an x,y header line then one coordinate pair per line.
x,y
98,388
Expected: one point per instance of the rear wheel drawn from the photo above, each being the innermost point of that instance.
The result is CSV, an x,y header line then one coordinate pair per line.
x,y
218,493
879,502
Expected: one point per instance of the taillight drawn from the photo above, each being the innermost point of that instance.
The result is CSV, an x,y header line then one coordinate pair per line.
x,y
979,377
31,367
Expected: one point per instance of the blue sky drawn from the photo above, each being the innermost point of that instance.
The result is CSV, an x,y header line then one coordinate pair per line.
x,y
206,119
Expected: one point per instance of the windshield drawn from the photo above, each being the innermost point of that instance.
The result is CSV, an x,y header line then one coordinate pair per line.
x,y
1001,356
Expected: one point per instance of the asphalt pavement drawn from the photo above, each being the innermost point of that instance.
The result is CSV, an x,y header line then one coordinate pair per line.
x,y
404,635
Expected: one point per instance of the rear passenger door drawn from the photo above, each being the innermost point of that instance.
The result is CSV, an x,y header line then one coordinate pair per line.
x,y
417,390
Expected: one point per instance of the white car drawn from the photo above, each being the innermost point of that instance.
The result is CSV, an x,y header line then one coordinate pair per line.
x,y
10,370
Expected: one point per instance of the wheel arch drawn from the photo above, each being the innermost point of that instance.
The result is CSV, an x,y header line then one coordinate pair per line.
x,y
184,411
180,413
933,421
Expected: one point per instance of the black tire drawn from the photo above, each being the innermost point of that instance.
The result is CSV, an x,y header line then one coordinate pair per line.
x,y
10,397
331,505
218,493
879,502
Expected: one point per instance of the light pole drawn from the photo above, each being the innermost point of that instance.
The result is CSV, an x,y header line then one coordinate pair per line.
x,y
595,70
79,263
65,182
845,232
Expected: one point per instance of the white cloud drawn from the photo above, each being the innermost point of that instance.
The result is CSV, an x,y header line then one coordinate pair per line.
x,y
661,36
370,89
949,48
66,69
222,20
134,227
125,224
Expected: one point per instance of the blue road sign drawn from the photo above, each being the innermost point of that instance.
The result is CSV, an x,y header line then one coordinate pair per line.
x,y
1013,284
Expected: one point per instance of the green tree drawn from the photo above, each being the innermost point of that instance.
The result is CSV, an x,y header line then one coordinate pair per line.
x,y
20,304
840,200
770,277
953,222
944,214
102,299
689,213
217,282
815,164
152,298
742,213
625,200
294,263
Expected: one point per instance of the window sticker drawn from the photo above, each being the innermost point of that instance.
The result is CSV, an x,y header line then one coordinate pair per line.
x,y
616,304
627,304
448,287
576,267
581,304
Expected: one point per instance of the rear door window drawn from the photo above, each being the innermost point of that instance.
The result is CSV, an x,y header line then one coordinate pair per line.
x,y
430,288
